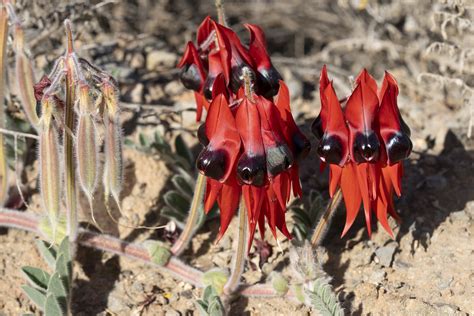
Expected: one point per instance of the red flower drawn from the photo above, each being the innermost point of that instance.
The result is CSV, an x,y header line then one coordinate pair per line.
x,y
252,144
364,146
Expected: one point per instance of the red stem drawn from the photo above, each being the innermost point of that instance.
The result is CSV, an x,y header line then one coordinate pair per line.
x,y
175,267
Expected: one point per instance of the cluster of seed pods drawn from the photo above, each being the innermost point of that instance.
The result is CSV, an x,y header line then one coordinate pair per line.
x,y
251,143
364,145
93,96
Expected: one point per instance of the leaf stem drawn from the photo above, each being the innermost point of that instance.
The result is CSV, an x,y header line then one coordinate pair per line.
x,y
320,229
240,254
196,207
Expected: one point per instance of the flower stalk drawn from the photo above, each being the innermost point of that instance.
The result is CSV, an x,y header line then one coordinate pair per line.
x,y
3,156
322,226
240,253
196,207
70,175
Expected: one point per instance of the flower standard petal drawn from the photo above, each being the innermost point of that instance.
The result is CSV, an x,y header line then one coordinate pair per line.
x,y
360,113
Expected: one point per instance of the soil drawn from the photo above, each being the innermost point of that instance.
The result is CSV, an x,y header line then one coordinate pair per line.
x,y
427,269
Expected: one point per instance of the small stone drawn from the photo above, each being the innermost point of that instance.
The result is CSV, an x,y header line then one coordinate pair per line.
x,y
116,305
385,254
174,88
377,277
136,95
160,58
138,61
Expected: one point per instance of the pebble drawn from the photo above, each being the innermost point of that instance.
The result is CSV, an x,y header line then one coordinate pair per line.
x,y
116,304
377,277
136,95
158,57
138,61
385,254
174,88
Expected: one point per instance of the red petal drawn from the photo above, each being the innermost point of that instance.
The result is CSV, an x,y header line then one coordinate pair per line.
x,y
254,198
228,201
201,103
335,173
222,132
257,47
204,30
363,180
248,124
295,181
361,108
294,137
213,189
273,139
231,50
397,142
335,127
351,193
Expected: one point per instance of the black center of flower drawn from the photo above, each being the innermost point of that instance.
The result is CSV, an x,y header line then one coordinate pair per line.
x,y
212,163
331,149
190,77
366,147
399,147
251,170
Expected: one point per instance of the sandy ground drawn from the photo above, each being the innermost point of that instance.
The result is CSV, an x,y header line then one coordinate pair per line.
x,y
426,270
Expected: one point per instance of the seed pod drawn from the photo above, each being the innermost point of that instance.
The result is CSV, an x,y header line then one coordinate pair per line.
x,y
113,169
25,79
87,152
50,171
87,149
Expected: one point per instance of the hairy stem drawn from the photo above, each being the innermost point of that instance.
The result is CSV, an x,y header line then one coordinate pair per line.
x,y
240,252
220,12
3,155
196,207
321,227
18,134
29,222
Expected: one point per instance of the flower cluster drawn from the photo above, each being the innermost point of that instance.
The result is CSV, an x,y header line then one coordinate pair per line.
x,y
252,144
364,145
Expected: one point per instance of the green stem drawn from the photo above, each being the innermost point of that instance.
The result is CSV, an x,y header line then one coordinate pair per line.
x,y
240,253
318,233
196,207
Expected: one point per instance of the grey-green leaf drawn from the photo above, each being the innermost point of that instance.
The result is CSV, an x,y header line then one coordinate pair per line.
x,y
56,286
62,268
176,201
183,150
216,308
47,251
38,297
183,186
36,277
52,307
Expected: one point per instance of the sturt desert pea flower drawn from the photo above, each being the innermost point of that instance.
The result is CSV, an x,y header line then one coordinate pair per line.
x,y
364,145
252,143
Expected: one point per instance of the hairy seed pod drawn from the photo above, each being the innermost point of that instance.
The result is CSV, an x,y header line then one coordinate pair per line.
x,y
113,168
87,152
50,171
25,80
87,149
